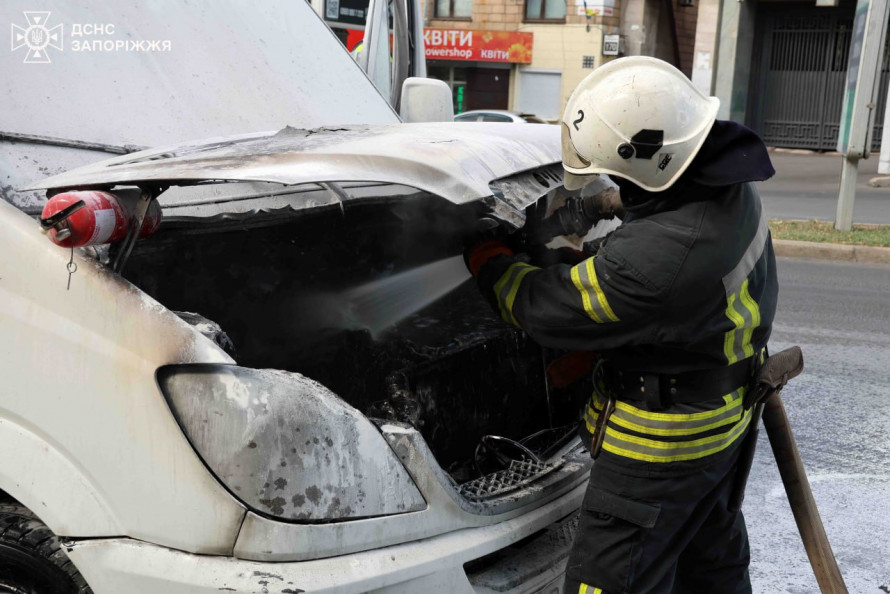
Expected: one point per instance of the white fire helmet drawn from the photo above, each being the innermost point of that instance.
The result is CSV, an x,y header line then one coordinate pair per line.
x,y
638,118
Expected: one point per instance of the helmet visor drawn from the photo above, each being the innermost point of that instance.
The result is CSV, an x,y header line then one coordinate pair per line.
x,y
570,157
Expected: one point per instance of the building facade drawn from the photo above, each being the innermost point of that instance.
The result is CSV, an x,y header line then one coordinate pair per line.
x,y
781,68
528,55
562,42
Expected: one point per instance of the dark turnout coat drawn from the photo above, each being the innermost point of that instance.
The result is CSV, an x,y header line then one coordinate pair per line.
x,y
687,283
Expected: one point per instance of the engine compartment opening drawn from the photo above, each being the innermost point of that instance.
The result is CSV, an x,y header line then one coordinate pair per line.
x,y
293,290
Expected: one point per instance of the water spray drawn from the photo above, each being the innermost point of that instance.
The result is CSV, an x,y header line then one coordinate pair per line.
x,y
383,303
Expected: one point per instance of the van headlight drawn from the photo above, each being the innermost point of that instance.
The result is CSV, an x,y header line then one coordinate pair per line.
x,y
287,446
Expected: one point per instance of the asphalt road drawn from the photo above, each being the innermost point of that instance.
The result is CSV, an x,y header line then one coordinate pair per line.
x,y
839,314
806,187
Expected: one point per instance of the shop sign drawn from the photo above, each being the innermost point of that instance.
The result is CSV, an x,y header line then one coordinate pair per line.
x,y
591,8
478,46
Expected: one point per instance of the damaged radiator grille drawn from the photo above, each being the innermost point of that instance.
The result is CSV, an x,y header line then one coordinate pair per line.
x,y
519,474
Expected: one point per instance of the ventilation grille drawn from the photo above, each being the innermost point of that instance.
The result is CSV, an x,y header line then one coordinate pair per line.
x,y
519,474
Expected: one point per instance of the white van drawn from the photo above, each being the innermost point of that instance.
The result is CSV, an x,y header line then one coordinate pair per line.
x,y
256,399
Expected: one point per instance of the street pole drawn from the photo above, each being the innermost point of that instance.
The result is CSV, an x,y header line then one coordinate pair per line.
x,y
884,159
843,220
860,97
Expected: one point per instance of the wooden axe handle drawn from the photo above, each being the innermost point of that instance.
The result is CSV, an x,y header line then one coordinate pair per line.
x,y
797,487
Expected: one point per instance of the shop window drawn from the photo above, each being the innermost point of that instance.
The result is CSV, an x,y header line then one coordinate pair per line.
x,y
545,10
454,9
456,77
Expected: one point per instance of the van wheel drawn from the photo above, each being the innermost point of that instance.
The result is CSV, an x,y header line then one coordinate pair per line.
x,y
31,559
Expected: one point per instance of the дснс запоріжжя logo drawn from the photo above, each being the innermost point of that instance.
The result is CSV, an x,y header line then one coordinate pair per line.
x,y
36,37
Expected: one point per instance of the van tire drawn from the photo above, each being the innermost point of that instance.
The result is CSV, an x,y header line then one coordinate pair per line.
x,y
31,558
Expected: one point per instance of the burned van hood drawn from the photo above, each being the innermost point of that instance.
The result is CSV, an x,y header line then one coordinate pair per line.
x,y
458,162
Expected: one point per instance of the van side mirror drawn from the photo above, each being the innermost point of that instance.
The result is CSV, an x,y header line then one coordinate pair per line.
x,y
426,100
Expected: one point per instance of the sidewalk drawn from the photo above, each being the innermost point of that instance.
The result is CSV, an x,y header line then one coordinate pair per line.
x,y
831,251
806,187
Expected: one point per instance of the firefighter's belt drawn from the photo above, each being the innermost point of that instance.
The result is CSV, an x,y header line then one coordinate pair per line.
x,y
660,390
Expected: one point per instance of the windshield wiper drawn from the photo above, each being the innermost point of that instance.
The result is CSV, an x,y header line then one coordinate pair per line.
x,y
68,143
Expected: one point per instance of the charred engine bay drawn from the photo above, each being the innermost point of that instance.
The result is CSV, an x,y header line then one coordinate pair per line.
x,y
279,284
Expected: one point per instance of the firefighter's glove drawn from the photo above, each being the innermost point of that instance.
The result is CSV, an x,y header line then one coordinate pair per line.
x,y
476,257
607,204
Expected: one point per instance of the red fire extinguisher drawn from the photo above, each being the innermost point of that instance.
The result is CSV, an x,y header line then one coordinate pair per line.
x,y
77,219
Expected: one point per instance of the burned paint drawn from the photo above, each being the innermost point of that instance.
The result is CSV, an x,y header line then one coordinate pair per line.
x,y
313,493
333,510
276,506
264,574
522,189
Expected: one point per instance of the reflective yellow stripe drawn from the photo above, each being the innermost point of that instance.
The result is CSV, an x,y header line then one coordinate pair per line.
x,y
732,356
601,297
654,416
590,418
752,307
737,342
670,424
514,289
648,450
582,589
585,296
677,431
499,287
657,425
596,305
507,287
678,445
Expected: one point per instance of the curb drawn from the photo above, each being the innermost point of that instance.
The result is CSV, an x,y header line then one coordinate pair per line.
x,y
799,151
831,251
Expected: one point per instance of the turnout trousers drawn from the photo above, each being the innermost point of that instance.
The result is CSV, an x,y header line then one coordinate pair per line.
x,y
661,535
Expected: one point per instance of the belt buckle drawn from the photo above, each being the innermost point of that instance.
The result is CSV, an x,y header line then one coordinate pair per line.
x,y
599,430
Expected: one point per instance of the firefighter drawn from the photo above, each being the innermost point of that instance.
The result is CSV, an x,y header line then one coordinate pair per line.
x,y
678,303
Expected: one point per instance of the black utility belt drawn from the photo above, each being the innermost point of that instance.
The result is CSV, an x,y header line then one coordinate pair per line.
x,y
660,390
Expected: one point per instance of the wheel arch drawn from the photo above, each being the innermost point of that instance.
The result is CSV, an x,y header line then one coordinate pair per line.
x,y
36,474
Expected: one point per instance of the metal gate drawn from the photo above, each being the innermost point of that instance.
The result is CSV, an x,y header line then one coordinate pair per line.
x,y
799,71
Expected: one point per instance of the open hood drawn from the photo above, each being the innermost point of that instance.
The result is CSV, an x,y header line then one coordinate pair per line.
x,y
458,162
226,68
